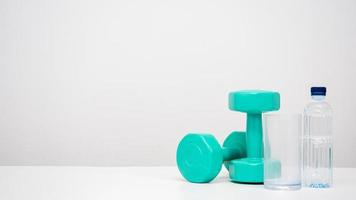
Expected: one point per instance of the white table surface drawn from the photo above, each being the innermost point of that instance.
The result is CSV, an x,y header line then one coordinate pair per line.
x,y
101,183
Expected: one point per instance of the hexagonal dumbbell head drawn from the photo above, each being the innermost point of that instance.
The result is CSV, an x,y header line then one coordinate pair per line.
x,y
254,103
235,141
200,157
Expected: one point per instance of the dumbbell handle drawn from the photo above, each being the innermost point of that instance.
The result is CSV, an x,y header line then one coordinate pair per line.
x,y
254,135
230,153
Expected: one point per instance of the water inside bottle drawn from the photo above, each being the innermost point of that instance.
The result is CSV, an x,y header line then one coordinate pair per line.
x,y
317,155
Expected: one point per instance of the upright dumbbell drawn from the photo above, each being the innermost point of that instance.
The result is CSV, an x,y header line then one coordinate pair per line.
x,y
254,103
200,157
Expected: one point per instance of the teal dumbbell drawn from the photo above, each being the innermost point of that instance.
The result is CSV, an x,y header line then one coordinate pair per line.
x,y
200,157
254,103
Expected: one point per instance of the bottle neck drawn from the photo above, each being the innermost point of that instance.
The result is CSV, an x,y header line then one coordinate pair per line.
x,y
318,97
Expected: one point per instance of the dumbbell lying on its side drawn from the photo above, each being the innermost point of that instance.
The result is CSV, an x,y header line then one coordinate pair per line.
x,y
200,157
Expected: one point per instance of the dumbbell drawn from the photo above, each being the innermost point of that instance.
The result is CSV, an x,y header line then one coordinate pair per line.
x,y
200,157
254,103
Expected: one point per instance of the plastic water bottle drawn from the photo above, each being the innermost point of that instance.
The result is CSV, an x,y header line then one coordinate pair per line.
x,y
317,141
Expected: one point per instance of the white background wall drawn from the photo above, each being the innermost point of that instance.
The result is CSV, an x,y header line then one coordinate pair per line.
x,y
110,82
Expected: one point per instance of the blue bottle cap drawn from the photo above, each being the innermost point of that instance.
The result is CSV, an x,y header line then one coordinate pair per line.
x,y
318,91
